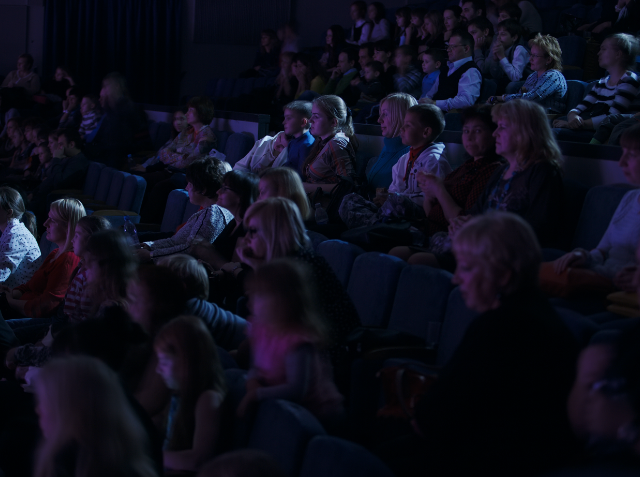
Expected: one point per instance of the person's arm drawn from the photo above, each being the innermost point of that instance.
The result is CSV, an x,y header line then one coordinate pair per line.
x,y
514,69
205,438
550,82
365,35
599,254
434,88
480,60
205,141
468,92
626,92
397,175
7,80
12,252
227,329
244,164
409,82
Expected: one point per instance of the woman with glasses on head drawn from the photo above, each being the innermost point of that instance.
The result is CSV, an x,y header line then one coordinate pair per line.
x,y
546,85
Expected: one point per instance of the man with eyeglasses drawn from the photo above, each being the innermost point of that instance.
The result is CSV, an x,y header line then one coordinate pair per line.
x,y
460,86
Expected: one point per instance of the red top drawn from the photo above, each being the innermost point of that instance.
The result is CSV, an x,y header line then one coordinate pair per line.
x,y
46,289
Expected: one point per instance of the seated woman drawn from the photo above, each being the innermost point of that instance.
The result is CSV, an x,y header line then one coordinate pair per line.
x,y
20,255
177,140
309,75
334,155
284,182
335,42
206,224
431,33
472,418
46,289
614,258
193,143
452,18
19,85
546,85
20,161
529,184
612,94
447,199
55,89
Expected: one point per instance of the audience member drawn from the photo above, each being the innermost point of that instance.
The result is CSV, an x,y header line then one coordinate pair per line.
x,y
383,52
381,28
286,82
483,35
270,151
189,365
342,75
509,57
267,57
91,115
307,71
371,88
460,86
71,115
334,44
546,85
432,31
422,126
55,88
431,62
408,76
87,423
529,17
361,28
365,55
405,31
472,9
451,17
288,38
283,182
19,85
612,94
179,124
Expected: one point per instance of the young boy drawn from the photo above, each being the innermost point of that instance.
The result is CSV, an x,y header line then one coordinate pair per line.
x,y
371,89
71,115
423,124
91,115
408,78
482,32
431,62
509,57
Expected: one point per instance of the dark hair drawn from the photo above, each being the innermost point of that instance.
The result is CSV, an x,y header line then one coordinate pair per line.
x,y
630,138
313,67
72,135
120,81
457,11
93,98
75,91
352,54
477,5
376,66
11,199
166,293
404,12
32,123
29,59
511,9
273,37
419,12
368,47
204,108
481,113
362,7
465,37
338,35
43,135
303,108
407,50
206,176
384,45
512,27
436,54
483,24
430,116
380,11
245,184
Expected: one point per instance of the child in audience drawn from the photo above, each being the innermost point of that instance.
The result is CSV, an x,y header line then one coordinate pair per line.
x,y
422,126
405,31
179,124
383,52
71,116
510,58
283,182
91,115
270,151
452,17
286,82
372,89
44,168
365,56
381,28
296,125
189,365
431,62
524,12
408,77
287,338
87,423
361,29
482,32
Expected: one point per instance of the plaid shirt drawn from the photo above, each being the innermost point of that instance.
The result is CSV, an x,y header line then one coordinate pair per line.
x,y
336,158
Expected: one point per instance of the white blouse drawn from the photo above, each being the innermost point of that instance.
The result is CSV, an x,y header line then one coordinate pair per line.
x,y
20,255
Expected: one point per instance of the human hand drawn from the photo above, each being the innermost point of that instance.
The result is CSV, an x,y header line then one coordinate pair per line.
x,y
457,223
575,122
480,42
430,184
560,123
65,104
379,200
246,255
247,401
335,73
426,100
576,259
48,339
143,255
498,50
625,279
355,81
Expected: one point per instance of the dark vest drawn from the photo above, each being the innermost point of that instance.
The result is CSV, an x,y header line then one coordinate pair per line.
x,y
448,85
356,32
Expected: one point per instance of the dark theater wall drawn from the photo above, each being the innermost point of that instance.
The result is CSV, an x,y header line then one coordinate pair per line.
x,y
21,31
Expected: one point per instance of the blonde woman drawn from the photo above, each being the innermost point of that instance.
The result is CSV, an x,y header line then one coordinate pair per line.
x,y
46,289
87,423
546,85
284,182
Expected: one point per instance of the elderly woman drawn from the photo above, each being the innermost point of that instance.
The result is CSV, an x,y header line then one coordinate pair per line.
x,y
611,95
546,85
499,403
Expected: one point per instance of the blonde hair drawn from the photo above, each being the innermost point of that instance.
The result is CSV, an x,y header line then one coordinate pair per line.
x,y
551,48
281,226
506,243
399,104
190,271
289,185
533,136
85,400
197,368
70,211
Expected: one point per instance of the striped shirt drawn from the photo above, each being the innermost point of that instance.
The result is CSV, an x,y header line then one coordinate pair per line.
x,y
618,98
77,304
548,90
336,159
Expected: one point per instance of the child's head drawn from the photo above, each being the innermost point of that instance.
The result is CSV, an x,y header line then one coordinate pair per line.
x,y
508,11
88,103
192,273
509,32
433,23
417,16
44,153
31,128
383,51
281,143
74,97
479,27
373,70
110,266
477,131
403,17
404,56
296,118
156,295
86,227
268,38
330,116
70,140
472,9
358,10
630,159
52,140
284,182
239,190
431,61
282,297
365,54
452,17
347,60
423,123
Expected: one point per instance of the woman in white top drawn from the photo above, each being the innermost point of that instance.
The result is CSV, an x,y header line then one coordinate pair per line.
x,y
381,28
20,254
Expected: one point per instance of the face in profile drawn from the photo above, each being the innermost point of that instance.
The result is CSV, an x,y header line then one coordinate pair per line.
x,y
477,284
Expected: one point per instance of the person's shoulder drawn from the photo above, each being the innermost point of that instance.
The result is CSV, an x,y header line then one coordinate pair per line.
x,y
209,400
339,140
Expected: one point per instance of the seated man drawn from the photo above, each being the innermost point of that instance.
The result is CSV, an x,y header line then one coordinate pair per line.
x,y
459,87
342,75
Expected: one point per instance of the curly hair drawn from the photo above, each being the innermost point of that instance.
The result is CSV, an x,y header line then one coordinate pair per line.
x,y
203,107
206,176
551,49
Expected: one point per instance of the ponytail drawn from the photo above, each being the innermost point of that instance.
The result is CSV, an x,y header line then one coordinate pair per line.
x,y
29,221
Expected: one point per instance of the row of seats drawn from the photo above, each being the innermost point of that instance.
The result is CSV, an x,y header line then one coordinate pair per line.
x,y
221,90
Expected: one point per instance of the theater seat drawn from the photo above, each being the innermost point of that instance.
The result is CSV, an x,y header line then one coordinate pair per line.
x,y
94,173
283,429
455,324
174,210
237,146
129,203
576,91
335,457
489,88
340,256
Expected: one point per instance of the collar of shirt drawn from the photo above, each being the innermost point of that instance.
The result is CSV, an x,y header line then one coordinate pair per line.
x,y
457,64
352,70
305,137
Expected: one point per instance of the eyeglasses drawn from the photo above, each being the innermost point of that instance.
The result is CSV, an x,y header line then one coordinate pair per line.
x,y
451,47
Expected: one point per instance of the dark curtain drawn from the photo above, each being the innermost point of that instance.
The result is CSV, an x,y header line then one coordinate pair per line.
x,y
138,38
